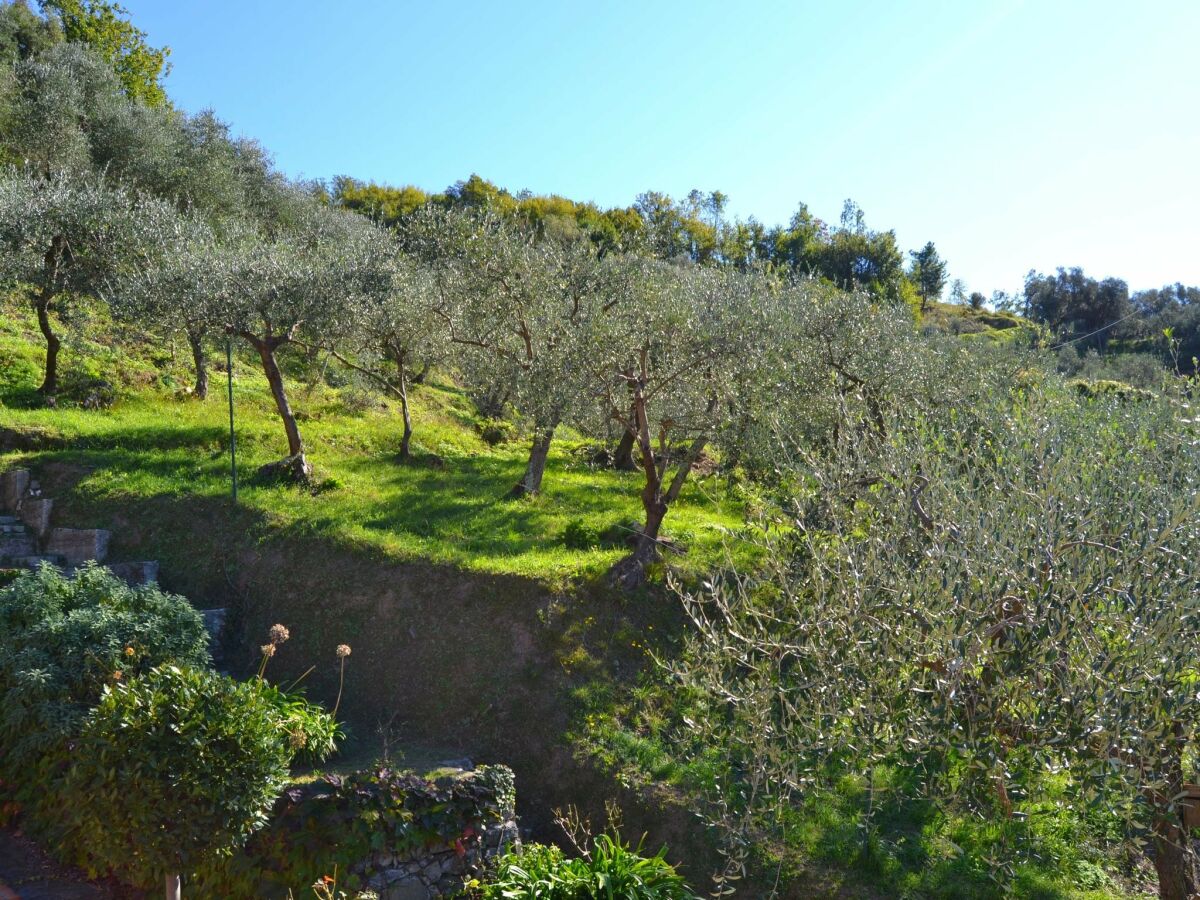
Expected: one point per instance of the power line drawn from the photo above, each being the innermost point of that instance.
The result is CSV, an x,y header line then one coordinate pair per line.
x,y
1097,331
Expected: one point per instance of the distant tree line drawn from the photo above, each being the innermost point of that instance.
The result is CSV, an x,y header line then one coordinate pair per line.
x,y
1103,315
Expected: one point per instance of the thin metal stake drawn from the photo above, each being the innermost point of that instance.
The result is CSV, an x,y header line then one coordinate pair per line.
x,y
232,436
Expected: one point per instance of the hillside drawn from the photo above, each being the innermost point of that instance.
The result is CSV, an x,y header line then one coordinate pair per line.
x,y
447,505
480,625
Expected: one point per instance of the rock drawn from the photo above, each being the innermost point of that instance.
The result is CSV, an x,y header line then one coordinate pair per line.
x,y
35,512
14,545
78,545
214,621
408,888
500,838
462,764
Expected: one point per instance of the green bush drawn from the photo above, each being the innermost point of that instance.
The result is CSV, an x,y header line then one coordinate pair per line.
x,y
64,638
612,870
497,431
174,768
578,536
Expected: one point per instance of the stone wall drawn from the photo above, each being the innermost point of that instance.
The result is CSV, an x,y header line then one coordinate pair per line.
x,y
439,870
402,835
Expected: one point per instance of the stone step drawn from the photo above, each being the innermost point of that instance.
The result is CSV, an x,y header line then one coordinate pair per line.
x,y
12,529
17,545
9,520
136,573
31,562
78,545
214,622
14,483
35,513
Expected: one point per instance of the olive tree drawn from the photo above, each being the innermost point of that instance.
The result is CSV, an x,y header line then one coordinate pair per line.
x,y
304,282
67,235
523,310
182,288
987,599
394,331
70,112
672,367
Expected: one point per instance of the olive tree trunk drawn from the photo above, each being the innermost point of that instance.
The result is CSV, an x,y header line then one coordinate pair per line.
x,y
630,572
402,391
531,482
1175,862
199,361
49,385
295,462
41,305
623,456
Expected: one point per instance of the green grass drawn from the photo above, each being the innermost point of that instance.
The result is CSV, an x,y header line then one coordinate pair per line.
x,y
448,504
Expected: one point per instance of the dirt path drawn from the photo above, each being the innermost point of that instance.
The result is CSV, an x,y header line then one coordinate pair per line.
x,y
26,873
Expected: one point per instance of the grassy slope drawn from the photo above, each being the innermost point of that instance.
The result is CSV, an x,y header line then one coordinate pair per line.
x,y
448,505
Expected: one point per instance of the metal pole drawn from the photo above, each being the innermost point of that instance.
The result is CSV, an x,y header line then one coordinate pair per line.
x,y
232,436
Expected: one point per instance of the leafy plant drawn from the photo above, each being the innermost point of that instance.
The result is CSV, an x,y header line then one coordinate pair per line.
x,y
64,639
175,768
612,870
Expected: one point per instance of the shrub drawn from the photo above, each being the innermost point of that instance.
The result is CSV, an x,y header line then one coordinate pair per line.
x,y
174,768
577,536
64,638
497,431
611,870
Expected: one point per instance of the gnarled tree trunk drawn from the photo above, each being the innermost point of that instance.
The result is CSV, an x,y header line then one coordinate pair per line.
x,y
402,391
295,464
531,482
200,362
1175,862
41,305
49,385
630,572
623,456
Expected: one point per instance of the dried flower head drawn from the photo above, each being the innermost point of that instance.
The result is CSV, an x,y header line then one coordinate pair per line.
x,y
267,650
278,634
297,738
343,650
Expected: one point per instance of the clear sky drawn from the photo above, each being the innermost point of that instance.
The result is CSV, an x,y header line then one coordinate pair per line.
x,y
1015,135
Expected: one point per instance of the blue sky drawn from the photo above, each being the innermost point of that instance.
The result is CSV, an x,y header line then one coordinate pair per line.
x,y
1015,135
